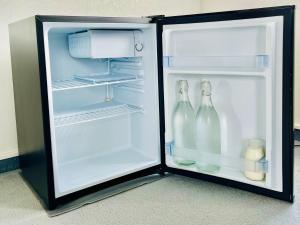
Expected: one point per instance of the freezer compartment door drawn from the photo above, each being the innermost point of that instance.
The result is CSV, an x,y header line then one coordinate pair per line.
x,y
105,44
240,132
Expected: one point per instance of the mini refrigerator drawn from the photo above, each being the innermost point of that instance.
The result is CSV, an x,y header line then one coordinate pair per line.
x,y
95,97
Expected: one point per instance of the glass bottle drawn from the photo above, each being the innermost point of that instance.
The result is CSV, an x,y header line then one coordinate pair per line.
x,y
183,127
208,141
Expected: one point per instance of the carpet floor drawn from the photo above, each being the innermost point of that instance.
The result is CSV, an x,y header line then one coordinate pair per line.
x,y
171,200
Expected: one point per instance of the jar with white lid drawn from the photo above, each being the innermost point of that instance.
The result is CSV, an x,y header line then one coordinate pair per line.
x,y
255,151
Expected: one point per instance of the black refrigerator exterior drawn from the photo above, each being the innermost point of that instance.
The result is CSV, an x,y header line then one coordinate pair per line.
x,y
32,106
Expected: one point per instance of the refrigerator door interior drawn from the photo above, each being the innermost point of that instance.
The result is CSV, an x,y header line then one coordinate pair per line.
x,y
241,56
102,93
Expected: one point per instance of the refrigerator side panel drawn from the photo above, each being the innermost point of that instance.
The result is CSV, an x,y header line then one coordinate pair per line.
x,y
28,95
159,31
288,106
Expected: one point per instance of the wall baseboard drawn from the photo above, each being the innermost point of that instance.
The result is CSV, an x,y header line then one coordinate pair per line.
x,y
9,164
297,135
9,154
297,126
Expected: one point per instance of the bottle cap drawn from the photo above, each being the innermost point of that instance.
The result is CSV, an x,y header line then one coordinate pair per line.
x,y
183,85
256,142
206,87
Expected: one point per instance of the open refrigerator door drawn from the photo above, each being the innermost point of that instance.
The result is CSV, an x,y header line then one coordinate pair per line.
x,y
241,61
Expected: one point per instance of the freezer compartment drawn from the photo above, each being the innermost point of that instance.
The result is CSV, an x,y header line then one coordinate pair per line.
x,y
103,121
105,43
68,72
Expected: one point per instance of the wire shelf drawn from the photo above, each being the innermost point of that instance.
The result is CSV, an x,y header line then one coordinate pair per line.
x,y
95,112
91,81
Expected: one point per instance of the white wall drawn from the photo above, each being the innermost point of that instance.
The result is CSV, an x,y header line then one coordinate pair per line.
x,y
221,5
13,10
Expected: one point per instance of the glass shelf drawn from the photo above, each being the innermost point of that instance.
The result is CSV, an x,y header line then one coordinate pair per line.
x,y
82,81
94,112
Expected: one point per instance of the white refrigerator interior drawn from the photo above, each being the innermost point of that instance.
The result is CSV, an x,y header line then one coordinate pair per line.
x,y
103,101
243,61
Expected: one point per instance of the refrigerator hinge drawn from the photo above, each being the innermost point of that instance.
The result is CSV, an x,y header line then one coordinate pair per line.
x,y
155,18
161,170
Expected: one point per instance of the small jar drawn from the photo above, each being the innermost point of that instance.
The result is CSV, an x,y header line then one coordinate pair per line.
x,y
255,151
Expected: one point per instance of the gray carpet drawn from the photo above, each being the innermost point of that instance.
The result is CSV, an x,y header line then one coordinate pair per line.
x,y
172,200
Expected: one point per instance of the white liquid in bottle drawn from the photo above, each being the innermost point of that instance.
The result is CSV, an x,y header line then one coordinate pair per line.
x,y
255,151
183,127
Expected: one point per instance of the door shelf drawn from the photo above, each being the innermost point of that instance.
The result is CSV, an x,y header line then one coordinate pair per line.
x,y
91,81
94,112
225,161
225,172
246,65
232,167
221,72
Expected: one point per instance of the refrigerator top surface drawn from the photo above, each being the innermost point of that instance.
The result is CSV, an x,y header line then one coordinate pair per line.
x,y
228,15
92,19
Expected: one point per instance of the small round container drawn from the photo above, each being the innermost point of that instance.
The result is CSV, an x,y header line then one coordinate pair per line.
x,y
255,151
